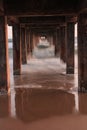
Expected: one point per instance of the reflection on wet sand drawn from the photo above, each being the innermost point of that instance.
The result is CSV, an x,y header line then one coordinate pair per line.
x,y
83,103
41,109
43,98
29,104
36,104
4,106
12,104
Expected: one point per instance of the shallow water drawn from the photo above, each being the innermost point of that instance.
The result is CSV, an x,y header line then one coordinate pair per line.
x,y
43,109
43,97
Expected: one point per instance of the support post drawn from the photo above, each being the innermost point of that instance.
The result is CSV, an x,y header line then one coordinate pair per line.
x,y
58,41
63,43
70,48
31,41
23,45
16,50
27,40
55,42
82,52
4,65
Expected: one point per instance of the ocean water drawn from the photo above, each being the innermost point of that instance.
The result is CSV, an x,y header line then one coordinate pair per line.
x,y
10,45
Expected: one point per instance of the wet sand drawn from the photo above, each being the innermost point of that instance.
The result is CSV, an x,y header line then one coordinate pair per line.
x,y
43,97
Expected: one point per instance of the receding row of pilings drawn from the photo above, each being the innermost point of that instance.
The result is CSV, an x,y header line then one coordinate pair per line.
x,y
63,39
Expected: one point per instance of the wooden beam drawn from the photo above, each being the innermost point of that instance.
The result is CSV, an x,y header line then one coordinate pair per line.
x,y
42,19
1,8
12,20
43,7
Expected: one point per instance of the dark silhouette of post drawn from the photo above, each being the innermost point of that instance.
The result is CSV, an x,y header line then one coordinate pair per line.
x,y
16,50
4,66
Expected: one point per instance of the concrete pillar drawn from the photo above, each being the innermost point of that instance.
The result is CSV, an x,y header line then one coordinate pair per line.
x,y
16,50
82,52
4,66
23,45
70,48
63,43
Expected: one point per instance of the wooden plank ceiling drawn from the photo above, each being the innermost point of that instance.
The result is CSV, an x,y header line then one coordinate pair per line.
x,y
40,7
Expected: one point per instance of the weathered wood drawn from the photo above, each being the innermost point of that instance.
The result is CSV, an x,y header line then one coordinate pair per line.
x,y
1,7
28,40
43,7
82,52
23,45
16,50
49,38
58,41
40,29
62,43
13,20
82,8
52,20
31,41
4,66
55,42
70,48
36,38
